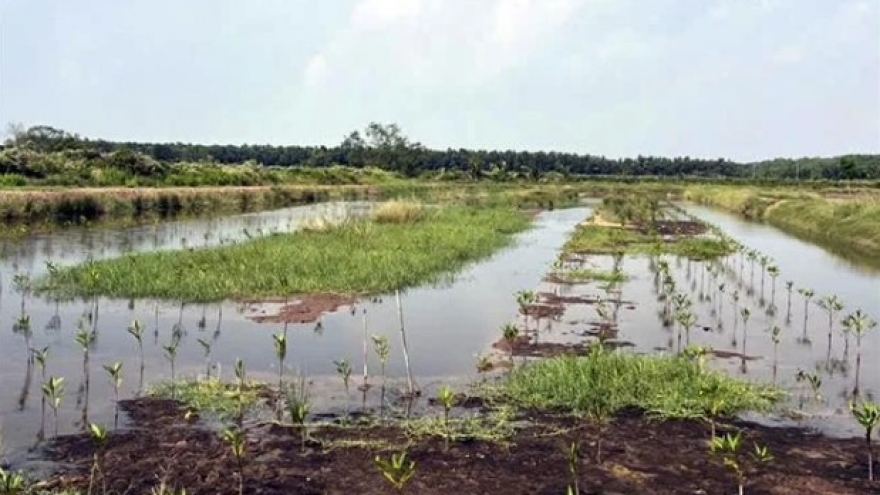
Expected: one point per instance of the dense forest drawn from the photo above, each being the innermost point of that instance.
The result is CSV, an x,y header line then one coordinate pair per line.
x,y
43,152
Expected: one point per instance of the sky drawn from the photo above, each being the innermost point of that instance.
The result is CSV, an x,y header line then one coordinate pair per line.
x,y
739,79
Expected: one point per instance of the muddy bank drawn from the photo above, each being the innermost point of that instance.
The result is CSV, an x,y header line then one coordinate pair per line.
x,y
306,308
635,459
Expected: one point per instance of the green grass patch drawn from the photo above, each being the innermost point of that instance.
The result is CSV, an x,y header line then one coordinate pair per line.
x,y
356,257
212,396
586,275
667,386
598,239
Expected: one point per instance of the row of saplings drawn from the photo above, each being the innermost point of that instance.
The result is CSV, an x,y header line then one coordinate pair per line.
x,y
397,468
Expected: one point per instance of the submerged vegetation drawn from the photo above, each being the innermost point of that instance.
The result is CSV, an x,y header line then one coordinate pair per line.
x,y
358,256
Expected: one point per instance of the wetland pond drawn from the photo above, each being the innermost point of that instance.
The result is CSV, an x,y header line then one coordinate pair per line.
x,y
448,325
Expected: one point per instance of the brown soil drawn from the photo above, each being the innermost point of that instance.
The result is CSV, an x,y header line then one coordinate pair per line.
x,y
679,228
543,310
304,309
639,457
554,299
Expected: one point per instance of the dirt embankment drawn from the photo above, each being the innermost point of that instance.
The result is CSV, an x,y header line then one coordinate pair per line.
x,y
638,456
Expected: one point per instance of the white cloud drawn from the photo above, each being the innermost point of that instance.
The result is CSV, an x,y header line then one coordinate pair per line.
x,y
439,42
316,71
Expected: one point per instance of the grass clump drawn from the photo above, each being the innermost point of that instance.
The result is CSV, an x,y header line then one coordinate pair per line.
x,y
667,386
601,239
212,396
358,257
585,274
398,211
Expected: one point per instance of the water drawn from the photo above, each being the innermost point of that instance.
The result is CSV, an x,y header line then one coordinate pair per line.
x,y
447,325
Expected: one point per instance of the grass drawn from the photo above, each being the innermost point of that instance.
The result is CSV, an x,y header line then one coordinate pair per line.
x,y
398,211
356,257
584,274
666,386
211,396
596,239
836,219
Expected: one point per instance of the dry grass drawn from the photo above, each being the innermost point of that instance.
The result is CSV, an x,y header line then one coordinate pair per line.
x,y
399,211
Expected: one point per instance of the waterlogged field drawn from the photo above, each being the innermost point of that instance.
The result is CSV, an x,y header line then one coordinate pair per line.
x,y
556,288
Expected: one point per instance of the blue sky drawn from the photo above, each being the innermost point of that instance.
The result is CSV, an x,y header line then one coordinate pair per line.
x,y
742,79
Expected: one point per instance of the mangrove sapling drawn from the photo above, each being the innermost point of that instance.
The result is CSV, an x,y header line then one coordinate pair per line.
x,y
114,371
446,399
807,295
298,404
831,305
728,448
206,346
397,469
509,332
774,335
236,439
99,438
86,339
714,405
365,385
773,271
813,380
41,357
23,285
789,286
343,369
868,415
764,261
573,456
53,390
721,288
136,330
171,355
687,319
240,378
859,324
280,340
525,299
12,483
413,390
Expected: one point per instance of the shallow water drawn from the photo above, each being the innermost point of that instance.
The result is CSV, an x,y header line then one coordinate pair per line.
x,y
448,325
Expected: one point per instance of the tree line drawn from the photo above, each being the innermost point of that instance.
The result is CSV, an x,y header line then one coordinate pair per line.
x,y
384,146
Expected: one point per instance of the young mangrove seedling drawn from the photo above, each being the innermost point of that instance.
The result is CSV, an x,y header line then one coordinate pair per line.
x,y
114,371
99,439
86,339
12,483
774,335
343,369
397,469
728,448
789,288
171,355
814,381
525,299
868,415
236,439
831,305
41,357
807,294
53,390
299,406
381,348
509,332
573,456
773,271
280,340
859,324
206,346
240,378
714,405
447,399
136,330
